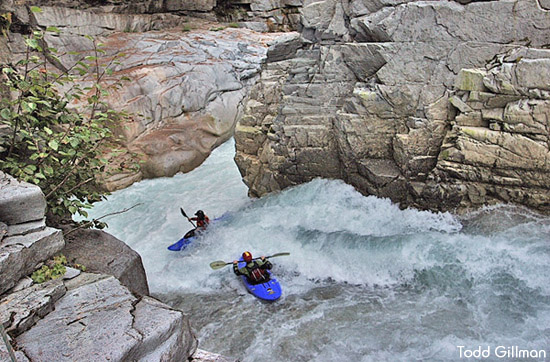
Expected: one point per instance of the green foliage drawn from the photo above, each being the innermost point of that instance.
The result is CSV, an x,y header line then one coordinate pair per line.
x,y
51,143
233,25
52,270
217,28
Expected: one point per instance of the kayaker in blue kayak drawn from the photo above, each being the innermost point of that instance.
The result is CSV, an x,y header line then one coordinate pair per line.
x,y
202,222
255,270
201,219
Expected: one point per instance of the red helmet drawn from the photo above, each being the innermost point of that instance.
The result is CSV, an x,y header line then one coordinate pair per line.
x,y
247,256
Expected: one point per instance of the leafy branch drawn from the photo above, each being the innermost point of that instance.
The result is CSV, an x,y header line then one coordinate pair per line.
x,y
52,143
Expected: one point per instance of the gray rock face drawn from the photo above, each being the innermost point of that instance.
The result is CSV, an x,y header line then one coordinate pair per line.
x,y
103,253
439,105
92,325
80,316
261,15
22,309
20,202
19,255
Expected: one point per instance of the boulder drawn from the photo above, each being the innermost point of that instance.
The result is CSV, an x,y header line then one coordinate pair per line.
x,y
102,253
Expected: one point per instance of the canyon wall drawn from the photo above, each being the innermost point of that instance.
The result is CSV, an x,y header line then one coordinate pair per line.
x,y
188,73
103,314
441,105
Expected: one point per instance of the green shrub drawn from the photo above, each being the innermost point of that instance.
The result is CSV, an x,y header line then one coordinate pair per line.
x,y
57,147
55,270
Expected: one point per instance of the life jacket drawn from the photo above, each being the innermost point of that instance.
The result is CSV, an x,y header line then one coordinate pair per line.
x,y
204,222
258,275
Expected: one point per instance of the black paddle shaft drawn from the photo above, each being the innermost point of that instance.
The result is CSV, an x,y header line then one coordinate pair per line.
x,y
187,217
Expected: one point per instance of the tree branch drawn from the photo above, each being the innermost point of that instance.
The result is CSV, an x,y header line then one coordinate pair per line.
x,y
101,217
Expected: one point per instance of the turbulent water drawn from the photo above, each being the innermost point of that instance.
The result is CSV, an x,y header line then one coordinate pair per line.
x,y
365,281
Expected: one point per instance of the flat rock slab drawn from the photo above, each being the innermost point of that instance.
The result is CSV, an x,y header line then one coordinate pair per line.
x,y
20,202
98,319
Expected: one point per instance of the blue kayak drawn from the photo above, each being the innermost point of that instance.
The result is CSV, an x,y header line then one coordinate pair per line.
x,y
270,290
182,243
188,238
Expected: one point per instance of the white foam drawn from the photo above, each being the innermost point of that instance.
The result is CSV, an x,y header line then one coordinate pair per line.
x,y
360,269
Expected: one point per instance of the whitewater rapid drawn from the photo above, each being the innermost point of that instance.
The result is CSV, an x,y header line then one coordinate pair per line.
x,y
365,280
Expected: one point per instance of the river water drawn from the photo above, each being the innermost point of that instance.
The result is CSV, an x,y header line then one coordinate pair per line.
x,y
365,281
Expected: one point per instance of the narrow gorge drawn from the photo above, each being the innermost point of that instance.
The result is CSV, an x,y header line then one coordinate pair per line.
x,y
438,106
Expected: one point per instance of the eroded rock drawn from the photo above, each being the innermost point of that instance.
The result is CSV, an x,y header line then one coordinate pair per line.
x,y
98,318
439,105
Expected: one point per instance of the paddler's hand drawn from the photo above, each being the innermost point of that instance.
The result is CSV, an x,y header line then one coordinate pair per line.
x,y
262,257
235,262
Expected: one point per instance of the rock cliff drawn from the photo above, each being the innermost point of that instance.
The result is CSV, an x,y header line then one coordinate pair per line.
x,y
104,314
189,75
441,105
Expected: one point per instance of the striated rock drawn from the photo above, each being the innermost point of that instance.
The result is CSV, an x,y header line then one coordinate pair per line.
x,y
82,316
22,309
102,253
189,76
201,5
439,105
188,89
20,202
138,329
19,255
78,22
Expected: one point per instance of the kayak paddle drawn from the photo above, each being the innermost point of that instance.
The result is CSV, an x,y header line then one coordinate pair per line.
x,y
220,263
187,217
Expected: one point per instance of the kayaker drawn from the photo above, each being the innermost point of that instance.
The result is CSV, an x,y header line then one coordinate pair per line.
x,y
254,270
202,222
201,219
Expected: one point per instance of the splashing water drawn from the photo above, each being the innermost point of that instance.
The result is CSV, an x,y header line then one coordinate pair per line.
x,y
365,281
